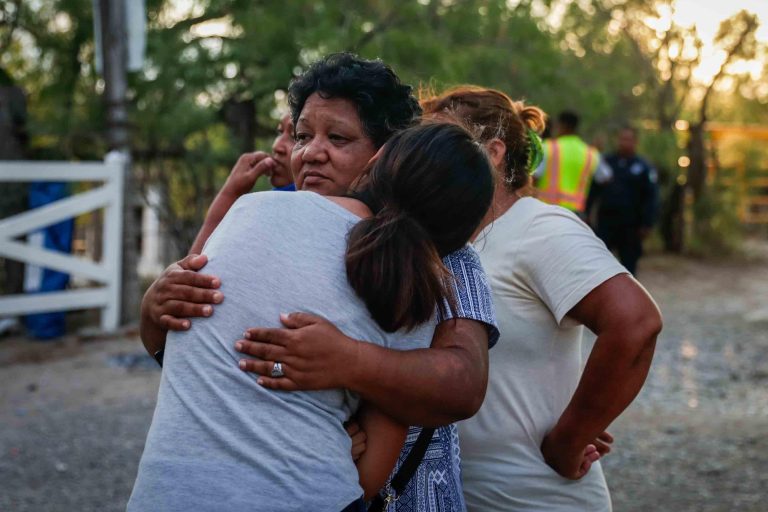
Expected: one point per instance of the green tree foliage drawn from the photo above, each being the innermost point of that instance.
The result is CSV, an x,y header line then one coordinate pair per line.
x,y
216,70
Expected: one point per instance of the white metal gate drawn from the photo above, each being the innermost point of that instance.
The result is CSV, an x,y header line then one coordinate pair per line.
x,y
105,273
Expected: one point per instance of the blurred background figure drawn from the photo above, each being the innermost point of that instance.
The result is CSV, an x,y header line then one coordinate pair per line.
x,y
13,196
281,177
18,197
624,205
569,164
57,237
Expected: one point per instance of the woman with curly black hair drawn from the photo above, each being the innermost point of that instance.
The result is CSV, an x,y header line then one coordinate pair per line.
x,y
218,440
345,108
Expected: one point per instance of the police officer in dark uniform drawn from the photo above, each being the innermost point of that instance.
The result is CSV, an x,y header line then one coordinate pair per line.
x,y
623,207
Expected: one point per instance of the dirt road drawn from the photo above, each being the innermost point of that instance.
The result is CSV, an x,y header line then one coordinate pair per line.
x,y
74,414
696,439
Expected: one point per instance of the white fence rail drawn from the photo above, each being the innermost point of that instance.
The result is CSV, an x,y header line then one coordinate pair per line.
x,y
105,273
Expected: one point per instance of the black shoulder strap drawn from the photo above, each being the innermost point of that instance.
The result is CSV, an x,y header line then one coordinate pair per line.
x,y
406,471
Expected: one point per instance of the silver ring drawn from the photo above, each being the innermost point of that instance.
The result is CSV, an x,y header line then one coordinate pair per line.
x,y
277,370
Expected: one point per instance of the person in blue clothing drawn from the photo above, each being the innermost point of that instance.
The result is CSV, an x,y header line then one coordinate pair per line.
x,y
56,237
624,206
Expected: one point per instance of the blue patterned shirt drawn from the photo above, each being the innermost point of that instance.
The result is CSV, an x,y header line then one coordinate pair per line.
x,y
436,485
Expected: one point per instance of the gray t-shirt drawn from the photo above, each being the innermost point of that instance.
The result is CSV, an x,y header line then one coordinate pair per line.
x,y
219,441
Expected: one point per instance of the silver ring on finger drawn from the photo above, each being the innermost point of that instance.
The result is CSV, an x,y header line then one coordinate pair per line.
x,y
277,370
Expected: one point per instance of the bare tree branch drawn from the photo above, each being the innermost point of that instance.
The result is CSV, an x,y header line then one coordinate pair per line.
x,y
187,23
732,52
389,21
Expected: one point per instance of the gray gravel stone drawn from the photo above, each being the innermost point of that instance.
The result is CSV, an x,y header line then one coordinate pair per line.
x,y
74,414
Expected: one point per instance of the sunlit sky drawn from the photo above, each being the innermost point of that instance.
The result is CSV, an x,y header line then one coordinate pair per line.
x,y
707,15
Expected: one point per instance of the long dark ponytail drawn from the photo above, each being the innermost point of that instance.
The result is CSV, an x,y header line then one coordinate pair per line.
x,y
432,185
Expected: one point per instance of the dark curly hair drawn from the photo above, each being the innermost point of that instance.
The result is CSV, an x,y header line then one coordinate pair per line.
x,y
385,105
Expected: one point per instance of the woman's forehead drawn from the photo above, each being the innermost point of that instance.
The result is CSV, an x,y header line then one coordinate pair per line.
x,y
331,111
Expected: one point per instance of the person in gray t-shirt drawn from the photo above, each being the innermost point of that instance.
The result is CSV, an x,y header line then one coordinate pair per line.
x,y
219,441
421,387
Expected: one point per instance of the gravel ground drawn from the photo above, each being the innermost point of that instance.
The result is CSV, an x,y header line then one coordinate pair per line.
x,y
75,413
696,438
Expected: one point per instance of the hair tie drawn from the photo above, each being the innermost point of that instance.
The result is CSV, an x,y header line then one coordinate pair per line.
x,y
535,151
391,215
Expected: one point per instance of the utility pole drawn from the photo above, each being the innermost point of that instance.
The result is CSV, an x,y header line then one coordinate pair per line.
x,y
114,37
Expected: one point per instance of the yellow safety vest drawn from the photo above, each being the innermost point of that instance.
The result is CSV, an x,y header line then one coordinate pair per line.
x,y
570,164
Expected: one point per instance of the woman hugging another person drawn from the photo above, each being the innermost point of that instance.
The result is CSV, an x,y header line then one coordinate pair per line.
x,y
218,440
